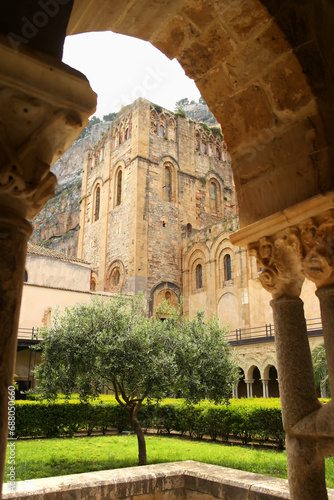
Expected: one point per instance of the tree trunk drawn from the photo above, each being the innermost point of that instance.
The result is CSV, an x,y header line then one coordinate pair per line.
x,y
142,459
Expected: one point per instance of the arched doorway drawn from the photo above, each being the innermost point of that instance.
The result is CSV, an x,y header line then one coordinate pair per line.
x,y
257,384
273,387
242,387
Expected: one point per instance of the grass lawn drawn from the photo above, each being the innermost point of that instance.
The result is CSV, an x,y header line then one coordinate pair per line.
x,y
54,457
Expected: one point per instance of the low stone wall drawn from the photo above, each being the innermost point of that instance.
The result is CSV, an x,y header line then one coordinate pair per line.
x,y
175,481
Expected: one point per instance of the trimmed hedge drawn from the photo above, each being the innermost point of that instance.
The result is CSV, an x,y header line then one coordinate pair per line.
x,y
247,420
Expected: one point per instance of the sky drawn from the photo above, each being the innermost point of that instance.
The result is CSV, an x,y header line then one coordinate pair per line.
x,y
121,68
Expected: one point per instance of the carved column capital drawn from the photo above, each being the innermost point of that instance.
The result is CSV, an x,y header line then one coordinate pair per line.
x,y
44,105
280,257
317,234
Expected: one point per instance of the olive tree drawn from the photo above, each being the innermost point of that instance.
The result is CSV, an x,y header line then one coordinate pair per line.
x,y
114,344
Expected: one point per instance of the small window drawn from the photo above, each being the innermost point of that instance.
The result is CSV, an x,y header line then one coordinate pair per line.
x,y
119,188
25,276
199,276
116,276
189,228
168,184
97,204
227,268
213,197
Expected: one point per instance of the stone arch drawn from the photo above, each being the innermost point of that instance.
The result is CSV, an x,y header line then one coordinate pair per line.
x,y
203,145
242,387
255,85
154,122
159,292
214,196
168,192
96,193
118,185
171,130
222,267
115,277
197,255
228,310
270,375
93,281
162,130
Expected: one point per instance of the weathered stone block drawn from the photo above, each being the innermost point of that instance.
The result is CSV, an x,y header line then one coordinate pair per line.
x,y
287,85
252,112
205,52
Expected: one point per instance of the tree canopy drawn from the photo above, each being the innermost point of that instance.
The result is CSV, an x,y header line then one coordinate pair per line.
x,y
114,344
181,103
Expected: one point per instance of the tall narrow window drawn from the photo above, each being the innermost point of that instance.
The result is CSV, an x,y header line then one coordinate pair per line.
x,y
168,184
227,268
97,204
213,197
25,276
119,188
199,277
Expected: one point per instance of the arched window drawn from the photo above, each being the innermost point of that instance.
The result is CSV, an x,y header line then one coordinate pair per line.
x,y
154,121
218,150
97,204
213,197
197,141
127,135
25,276
162,126
168,183
189,228
115,277
211,146
119,188
227,268
171,130
199,277
203,145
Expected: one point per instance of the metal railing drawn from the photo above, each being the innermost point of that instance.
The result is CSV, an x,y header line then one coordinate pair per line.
x,y
266,333
29,334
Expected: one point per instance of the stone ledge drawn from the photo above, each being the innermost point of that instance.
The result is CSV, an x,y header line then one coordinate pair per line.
x,y
180,480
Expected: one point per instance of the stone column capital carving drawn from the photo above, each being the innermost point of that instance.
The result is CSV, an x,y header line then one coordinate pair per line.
x,y
317,234
280,257
44,105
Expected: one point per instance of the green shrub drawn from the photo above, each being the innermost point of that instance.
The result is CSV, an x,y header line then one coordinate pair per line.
x,y
247,420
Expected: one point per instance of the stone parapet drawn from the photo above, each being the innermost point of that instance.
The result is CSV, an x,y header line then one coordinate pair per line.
x,y
179,480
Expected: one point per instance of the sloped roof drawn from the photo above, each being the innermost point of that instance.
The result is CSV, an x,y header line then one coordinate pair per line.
x,y
47,252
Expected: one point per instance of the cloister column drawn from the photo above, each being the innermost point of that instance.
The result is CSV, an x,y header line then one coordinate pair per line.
x,y
249,384
285,258
317,234
265,387
44,105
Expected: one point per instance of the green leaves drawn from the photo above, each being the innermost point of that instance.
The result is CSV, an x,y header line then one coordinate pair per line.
x,y
320,369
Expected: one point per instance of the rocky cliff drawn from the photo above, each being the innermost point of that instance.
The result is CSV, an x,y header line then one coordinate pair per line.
x,y
57,225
